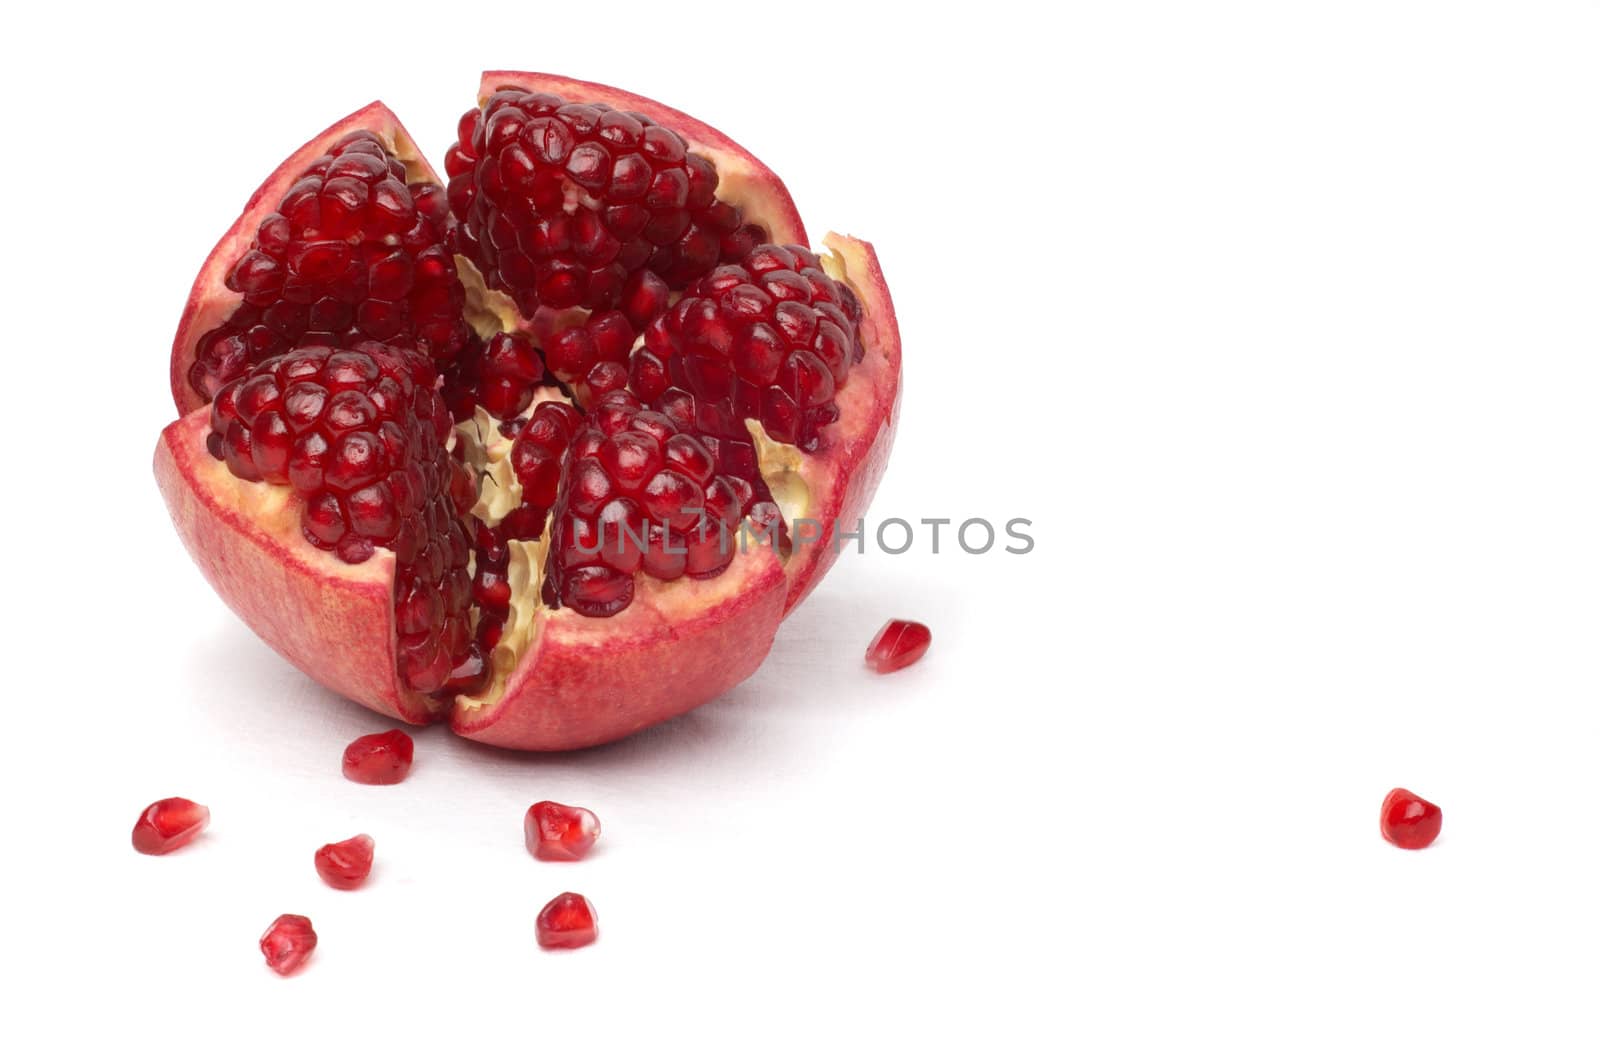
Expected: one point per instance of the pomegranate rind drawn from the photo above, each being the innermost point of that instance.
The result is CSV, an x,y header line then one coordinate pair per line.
x,y
210,302
843,474
332,620
584,681
743,180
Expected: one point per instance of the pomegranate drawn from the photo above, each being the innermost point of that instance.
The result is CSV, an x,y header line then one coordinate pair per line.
x,y
288,943
568,921
168,825
558,832
345,864
1408,821
665,411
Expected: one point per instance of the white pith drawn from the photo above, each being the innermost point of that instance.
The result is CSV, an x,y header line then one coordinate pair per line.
x,y
488,311
783,464
485,448
401,147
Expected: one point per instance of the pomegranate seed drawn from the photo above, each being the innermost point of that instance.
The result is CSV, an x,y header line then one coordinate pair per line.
x,y
346,864
558,832
288,943
168,825
379,759
899,644
567,922
1408,821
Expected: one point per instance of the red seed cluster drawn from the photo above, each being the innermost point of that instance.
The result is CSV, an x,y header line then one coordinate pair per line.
x,y
598,346
537,459
642,492
500,375
771,338
360,441
561,203
353,252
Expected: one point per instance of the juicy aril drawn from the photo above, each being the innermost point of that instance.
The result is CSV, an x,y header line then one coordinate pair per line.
x,y
549,452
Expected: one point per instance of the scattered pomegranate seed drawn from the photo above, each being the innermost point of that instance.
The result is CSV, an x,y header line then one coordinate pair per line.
x,y
558,832
288,943
346,864
379,759
168,825
899,644
567,922
1408,821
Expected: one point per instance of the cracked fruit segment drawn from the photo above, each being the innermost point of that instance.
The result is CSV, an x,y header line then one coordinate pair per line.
x,y
562,202
571,474
348,240
768,337
641,493
168,825
356,436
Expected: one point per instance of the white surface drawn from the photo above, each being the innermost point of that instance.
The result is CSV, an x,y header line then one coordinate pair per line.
x,y
1302,300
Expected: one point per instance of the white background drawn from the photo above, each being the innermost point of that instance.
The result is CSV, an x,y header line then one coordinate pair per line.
x,y
1278,320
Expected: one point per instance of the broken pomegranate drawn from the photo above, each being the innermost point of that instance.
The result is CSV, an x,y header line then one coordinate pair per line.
x,y
568,921
899,643
548,456
346,864
1408,821
168,825
288,943
379,759
558,832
